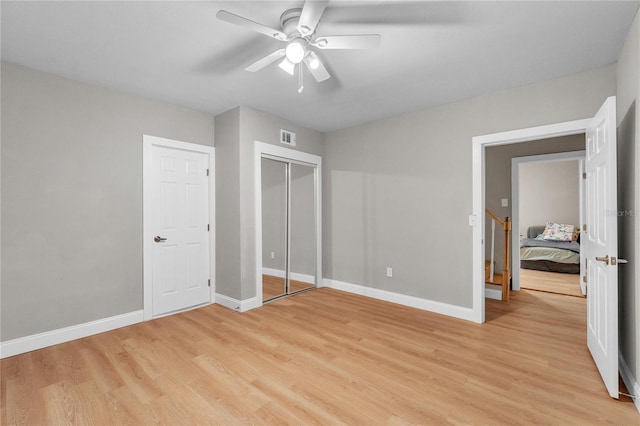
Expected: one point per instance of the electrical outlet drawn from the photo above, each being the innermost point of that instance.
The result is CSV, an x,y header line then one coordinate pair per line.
x,y
273,255
505,202
389,271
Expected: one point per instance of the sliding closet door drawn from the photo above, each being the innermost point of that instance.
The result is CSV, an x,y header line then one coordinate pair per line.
x,y
302,250
274,228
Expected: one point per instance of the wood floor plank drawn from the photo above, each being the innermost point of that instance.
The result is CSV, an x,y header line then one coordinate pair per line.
x,y
323,357
550,282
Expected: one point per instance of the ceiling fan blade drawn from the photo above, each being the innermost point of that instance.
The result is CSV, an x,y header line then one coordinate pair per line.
x,y
318,71
311,13
361,41
232,18
272,57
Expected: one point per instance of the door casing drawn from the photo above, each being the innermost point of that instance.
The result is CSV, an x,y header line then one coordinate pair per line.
x,y
148,142
515,204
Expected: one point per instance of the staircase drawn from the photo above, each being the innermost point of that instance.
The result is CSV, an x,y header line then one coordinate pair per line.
x,y
490,277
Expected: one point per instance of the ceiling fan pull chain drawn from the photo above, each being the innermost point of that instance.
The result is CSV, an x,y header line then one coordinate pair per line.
x,y
300,86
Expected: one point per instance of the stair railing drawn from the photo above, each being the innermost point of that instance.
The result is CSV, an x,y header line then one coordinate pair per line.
x,y
506,272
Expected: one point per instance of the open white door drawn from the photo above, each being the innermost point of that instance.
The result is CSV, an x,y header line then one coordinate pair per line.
x,y
600,244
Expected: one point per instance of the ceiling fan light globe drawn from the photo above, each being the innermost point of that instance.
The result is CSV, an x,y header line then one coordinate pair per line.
x,y
295,52
314,63
287,66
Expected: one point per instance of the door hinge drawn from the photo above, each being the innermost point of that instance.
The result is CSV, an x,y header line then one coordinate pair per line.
x,y
584,227
584,279
207,172
584,175
208,227
209,282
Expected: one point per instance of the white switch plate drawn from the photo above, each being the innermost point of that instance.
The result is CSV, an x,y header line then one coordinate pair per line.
x,y
472,220
505,202
389,272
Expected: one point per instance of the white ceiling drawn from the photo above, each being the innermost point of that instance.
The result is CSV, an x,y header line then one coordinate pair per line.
x,y
431,52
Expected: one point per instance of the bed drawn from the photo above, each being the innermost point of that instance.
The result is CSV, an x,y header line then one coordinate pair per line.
x,y
549,255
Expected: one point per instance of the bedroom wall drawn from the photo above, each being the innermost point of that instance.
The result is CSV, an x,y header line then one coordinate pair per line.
x,y
72,197
628,115
549,192
227,136
498,179
398,191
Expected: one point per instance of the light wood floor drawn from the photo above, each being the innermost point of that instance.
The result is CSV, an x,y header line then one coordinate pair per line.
x,y
551,282
323,357
274,286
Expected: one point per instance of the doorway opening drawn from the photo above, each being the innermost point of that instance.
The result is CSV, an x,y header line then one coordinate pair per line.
x,y
548,188
481,175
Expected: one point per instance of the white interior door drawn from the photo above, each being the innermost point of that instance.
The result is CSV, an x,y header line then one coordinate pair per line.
x,y
600,244
180,229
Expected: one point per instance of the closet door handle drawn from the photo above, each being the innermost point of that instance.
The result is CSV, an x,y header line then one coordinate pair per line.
x,y
603,259
159,239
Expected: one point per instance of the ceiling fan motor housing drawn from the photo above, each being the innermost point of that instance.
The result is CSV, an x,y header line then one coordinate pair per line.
x,y
289,23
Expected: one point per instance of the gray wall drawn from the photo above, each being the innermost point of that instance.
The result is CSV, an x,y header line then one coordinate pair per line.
x,y
398,191
549,191
227,136
251,126
498,179
628,115
72,197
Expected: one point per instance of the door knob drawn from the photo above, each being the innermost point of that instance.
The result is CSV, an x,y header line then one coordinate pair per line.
x,y
615,261
158,239
603,259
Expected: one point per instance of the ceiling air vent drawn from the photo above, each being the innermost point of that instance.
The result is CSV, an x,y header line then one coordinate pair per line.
x,y
287,137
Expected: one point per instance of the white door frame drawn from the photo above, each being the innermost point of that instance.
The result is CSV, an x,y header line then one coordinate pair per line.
x,y
285,154
515,203
148,142
479,143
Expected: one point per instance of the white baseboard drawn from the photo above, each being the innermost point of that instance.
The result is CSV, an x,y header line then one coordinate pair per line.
x,y
305,278
629,381
248,304
493,291
238,305
66,334
273,272
228,302
403,299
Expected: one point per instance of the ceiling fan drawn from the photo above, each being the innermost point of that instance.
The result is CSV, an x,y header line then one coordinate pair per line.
x,y
298,30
